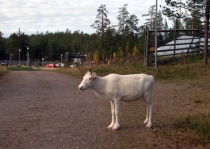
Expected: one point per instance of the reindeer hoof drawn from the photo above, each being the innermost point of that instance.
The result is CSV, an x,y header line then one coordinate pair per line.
x,y
148,125
110,128
116,127
145,122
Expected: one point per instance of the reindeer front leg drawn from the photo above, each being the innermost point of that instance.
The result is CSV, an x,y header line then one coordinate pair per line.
x,y
147,114
113,114
148,119
116,112
149,124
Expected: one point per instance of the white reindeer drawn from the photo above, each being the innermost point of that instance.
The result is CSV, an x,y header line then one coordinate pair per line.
x,y
121,88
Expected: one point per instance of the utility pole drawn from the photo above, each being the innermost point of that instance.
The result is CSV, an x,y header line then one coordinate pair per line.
x,y
156,35
206,35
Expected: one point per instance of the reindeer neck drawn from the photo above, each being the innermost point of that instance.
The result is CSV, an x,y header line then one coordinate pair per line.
x,y
99,84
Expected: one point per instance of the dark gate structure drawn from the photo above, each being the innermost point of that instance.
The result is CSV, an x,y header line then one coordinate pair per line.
x,y
172,44
68,56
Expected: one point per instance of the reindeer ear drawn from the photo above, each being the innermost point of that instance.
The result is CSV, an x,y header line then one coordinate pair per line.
x,y
94,75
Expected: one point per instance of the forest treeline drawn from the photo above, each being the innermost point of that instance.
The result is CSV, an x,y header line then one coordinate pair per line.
x,y
52,45
122,41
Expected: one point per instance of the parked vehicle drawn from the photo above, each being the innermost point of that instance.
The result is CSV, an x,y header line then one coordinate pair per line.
x,y
4,63
51,66
60,64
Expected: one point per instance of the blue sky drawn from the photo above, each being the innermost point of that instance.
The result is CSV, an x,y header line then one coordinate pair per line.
x,y
58,15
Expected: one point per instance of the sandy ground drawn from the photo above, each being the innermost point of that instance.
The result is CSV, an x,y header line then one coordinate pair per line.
x,y
45,110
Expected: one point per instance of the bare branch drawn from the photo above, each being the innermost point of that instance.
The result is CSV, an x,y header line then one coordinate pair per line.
x,y
81,70
97,68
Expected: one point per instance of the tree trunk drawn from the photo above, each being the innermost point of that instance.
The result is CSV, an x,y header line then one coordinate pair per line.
x,y
206,34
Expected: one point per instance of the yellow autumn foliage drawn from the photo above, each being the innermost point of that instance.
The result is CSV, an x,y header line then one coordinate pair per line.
x,y
135,51
96,56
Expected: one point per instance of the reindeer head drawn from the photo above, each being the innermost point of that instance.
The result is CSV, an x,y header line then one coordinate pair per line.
x,y
88,80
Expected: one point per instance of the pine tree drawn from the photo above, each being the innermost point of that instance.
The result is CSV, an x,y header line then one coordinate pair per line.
x,y
101,24
131,26
160,24
122,17
2,46
150,21
192,21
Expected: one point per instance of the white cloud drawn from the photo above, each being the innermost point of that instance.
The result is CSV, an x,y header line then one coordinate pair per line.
x,y
53,15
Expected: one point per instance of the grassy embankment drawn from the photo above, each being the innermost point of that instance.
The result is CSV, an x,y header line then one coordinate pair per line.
x,y
3,70
187,69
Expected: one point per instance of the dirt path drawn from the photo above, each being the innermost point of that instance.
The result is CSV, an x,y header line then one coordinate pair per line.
x,y
45,110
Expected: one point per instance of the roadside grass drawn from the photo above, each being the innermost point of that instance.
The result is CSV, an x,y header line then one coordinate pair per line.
x,y
15,68
70,71
105,70
198,128
197,125
3,70
186,69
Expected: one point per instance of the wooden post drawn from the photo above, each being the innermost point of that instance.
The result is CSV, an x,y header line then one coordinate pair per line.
x,y
174,43
38,64
191,42
206,34
146,47
199,51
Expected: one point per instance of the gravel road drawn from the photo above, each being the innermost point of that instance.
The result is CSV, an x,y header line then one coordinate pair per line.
x,y
45,110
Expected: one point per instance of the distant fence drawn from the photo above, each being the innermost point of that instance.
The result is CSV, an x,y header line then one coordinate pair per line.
x,y
31,63
68,59
172,44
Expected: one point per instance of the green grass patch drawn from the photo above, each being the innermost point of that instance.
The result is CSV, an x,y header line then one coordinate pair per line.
x,y
70,71
3,70
181,70
126,68
15,68
198,101
198,127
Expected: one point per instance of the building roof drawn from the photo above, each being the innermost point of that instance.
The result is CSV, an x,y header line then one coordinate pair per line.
x,y
183,44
